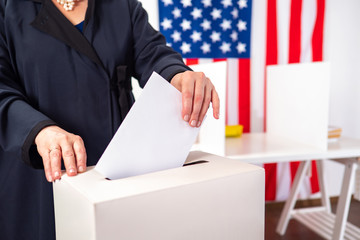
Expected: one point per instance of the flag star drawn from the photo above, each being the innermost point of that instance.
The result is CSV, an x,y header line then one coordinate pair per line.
x,y
235,13
186,3
185,48
205,47
241,25
176,36
242,4
196,13
225,47
176,12
225,25
216,13
167,2
186,25
241,47
196,36
206,25
226,3
234,36
215,36
166,24
207,3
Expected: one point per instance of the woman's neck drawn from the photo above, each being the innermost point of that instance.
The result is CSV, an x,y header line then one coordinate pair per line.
x,y
77,14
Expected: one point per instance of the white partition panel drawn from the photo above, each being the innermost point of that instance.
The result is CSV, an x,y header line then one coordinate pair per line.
x,y
212,132
298,102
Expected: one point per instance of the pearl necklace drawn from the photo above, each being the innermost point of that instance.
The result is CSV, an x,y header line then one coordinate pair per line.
x,y
67,4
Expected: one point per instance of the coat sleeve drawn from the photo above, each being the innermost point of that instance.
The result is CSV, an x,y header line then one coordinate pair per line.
x,y
150,50
19,121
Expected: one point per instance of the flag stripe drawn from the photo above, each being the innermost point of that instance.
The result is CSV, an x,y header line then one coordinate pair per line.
x,y
295,31
219,59
282,181
308,18
270,181
283,27
271,58
314,180
271,44
191,61
257,66
244,93
293,169
232,116
317,39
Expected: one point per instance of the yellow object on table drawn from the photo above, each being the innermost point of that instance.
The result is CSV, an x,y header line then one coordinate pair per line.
x,y
334,132
234,130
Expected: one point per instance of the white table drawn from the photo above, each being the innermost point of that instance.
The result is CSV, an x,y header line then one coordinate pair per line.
x,y
264,148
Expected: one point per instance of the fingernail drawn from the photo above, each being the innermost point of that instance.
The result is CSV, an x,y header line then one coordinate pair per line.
x,y
186,118
81,169
56,174
71,171
217,115
50,179
193,123
199,123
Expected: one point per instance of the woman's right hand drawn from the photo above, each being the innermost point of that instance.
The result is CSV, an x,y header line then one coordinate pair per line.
x,y
55,144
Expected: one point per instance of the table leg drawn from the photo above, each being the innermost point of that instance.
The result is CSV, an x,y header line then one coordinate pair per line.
x,y
290,202
325,200
342,210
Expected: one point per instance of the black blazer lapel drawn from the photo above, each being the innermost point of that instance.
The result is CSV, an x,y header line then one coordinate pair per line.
x,y
51,21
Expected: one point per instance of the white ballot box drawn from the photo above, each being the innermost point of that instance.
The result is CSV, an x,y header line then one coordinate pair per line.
x,y
214,199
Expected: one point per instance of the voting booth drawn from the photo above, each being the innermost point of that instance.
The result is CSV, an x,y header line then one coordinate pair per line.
x,y
210,198
297,102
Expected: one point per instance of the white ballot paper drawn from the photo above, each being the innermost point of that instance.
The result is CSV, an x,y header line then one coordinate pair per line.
x,y
153,135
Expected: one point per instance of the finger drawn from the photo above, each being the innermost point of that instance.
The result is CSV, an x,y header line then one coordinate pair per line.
x,y
47,165
205,106
215,103
187,91
68,156
80,154
55,162
198,99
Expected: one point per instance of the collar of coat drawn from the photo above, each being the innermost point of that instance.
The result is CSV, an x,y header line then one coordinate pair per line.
x,y
51,21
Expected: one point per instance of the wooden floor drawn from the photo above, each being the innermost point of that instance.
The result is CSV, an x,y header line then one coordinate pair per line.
x,y
297,231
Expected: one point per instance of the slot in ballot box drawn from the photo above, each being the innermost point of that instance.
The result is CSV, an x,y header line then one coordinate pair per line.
x,y
212,199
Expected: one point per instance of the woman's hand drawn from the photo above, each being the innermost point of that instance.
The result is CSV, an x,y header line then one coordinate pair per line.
x,y
197,93
54,144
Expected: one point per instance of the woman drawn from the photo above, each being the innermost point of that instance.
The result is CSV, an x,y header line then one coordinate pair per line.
x,y
64,90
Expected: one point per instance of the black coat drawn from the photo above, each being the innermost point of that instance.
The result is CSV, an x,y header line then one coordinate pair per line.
x,y
51,73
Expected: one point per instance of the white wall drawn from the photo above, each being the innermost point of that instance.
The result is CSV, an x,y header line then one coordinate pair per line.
x,y
342,49
152,8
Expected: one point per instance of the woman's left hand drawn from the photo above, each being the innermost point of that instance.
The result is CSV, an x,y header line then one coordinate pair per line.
x,y
197,93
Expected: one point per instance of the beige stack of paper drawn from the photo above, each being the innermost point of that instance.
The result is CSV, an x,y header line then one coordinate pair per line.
x,y
334,132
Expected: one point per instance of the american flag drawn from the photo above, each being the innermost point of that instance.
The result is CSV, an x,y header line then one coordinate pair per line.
x,y
282,32
209,30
